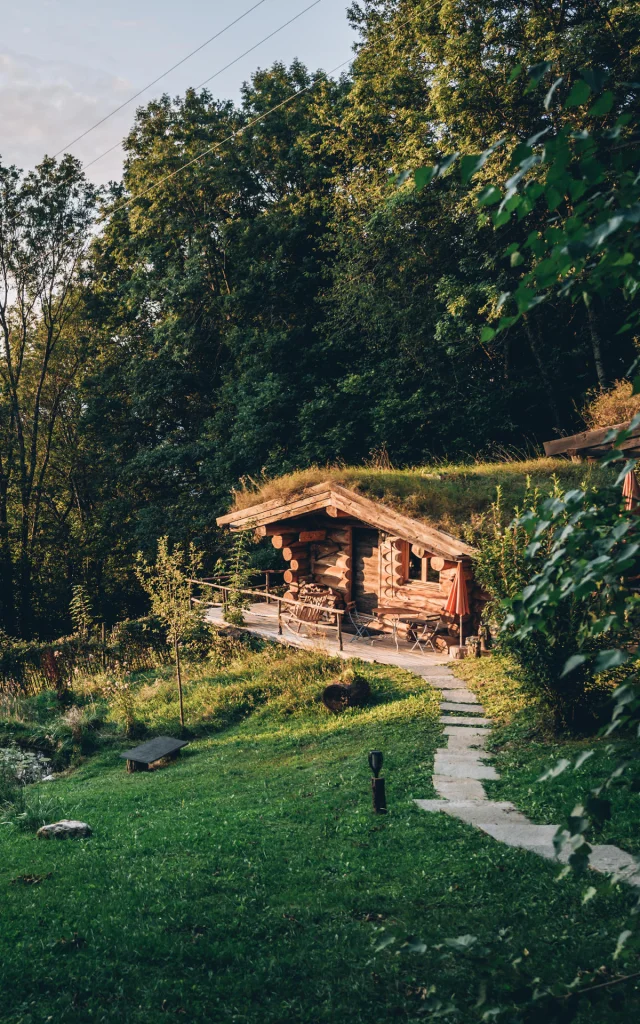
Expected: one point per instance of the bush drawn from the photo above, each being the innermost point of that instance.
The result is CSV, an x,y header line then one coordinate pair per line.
x,y
506,565
609,406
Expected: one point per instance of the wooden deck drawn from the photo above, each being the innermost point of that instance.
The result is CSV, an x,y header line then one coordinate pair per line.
x,y
262,619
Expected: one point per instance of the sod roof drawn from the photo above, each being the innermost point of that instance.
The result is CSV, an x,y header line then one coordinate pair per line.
x,y
452,498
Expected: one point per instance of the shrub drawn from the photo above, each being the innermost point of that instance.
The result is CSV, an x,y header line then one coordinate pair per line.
x,y
608,406
507,563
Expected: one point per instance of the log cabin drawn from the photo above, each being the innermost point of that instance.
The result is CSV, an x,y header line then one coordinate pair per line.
x,y
361,551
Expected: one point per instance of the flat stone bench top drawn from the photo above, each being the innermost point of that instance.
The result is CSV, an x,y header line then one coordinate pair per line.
x,y
154,750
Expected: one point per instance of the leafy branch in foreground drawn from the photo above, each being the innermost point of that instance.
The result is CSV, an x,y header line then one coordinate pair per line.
x,y
578,192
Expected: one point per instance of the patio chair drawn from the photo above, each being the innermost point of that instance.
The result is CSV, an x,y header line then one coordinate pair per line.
x,y
424,632
362,624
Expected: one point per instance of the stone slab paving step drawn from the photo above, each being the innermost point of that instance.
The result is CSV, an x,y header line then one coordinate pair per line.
x,y
461,697
457,789
459,720
470,709
462,766
458,773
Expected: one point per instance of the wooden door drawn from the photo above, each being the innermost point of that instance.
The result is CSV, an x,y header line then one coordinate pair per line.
x,y
365,569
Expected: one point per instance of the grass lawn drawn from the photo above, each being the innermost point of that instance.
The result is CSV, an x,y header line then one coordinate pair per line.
x,y
250,881
524,749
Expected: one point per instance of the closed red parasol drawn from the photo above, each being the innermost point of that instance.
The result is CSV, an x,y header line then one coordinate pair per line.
x,y
458,601
631,492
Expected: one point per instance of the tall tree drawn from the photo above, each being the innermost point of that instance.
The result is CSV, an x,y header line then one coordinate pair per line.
x,y
45,219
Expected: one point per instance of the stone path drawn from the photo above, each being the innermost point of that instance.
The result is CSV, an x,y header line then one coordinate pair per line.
x,y
462,765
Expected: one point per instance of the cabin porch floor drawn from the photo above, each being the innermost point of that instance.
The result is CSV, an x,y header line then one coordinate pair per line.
x,y
262,619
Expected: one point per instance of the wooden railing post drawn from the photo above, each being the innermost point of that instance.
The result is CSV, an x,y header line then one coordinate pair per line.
x,y
279,617
267,577
339,617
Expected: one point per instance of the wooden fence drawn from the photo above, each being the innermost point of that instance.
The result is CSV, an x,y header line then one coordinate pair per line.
x,y
295,616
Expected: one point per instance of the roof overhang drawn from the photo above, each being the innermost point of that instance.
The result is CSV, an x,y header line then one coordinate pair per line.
x,y
333,499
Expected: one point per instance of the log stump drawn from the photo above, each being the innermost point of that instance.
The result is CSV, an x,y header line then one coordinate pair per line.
x,y
340,694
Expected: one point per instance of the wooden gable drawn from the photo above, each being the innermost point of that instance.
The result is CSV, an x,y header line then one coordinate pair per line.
x,y
338,502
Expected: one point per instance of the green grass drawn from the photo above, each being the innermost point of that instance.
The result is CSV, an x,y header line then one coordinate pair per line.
x,y
450,496
525,747
250,881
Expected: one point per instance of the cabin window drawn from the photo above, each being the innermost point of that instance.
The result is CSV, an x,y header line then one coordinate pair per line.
x,y
414,567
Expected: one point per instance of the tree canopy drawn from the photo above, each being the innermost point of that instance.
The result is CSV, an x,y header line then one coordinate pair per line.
x,y
279,301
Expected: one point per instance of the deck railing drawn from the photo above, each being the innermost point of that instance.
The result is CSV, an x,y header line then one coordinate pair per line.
x,y
292,607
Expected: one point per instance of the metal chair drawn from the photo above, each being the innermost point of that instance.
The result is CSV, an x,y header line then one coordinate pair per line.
x,y
424,632
361,623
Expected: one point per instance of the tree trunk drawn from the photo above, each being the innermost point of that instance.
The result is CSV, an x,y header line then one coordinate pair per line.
x,y
179,678
596,346
533,338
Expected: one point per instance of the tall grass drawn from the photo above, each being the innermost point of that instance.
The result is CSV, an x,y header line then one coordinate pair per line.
x,y
452,497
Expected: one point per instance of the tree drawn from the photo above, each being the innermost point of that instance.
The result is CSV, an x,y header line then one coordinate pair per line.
x,y
167,584
45,219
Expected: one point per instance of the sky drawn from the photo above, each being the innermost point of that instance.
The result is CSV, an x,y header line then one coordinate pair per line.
x,y
64,64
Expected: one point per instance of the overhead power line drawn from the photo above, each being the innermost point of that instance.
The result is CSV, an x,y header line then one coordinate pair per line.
x,y
234,135
218,72
156,80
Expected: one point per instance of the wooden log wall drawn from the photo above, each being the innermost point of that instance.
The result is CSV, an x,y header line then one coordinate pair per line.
x,y
317,556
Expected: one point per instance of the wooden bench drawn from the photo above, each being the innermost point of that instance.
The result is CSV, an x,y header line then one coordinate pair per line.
x,y
140,758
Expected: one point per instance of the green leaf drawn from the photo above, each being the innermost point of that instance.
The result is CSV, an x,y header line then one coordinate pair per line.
x,y
602,105
422,176
501,218
487,334
589,894
554,198
402,177
514,73
462,942
489,196
469,165
572,663
549,97
579,94
558,769
609,659
636,386
516,259
625,260
445,164
622,939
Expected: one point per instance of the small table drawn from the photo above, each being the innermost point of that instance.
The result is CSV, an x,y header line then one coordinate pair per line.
x,y
423,628
139,758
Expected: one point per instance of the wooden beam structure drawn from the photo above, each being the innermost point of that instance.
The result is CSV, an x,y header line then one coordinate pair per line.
x,y
593,443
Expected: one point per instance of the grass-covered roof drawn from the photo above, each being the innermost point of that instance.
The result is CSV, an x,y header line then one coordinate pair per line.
x,y
450,497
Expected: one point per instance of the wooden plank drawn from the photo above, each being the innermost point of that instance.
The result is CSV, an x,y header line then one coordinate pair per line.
x,y
274,511
585,439
393,522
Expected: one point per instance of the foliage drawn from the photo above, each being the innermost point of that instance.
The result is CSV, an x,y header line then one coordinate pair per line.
x,y
504,567
236,574
610,406
283,305
166,582
80,611
45,220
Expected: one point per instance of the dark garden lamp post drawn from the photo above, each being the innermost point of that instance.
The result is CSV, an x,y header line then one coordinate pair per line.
x,y
377,784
